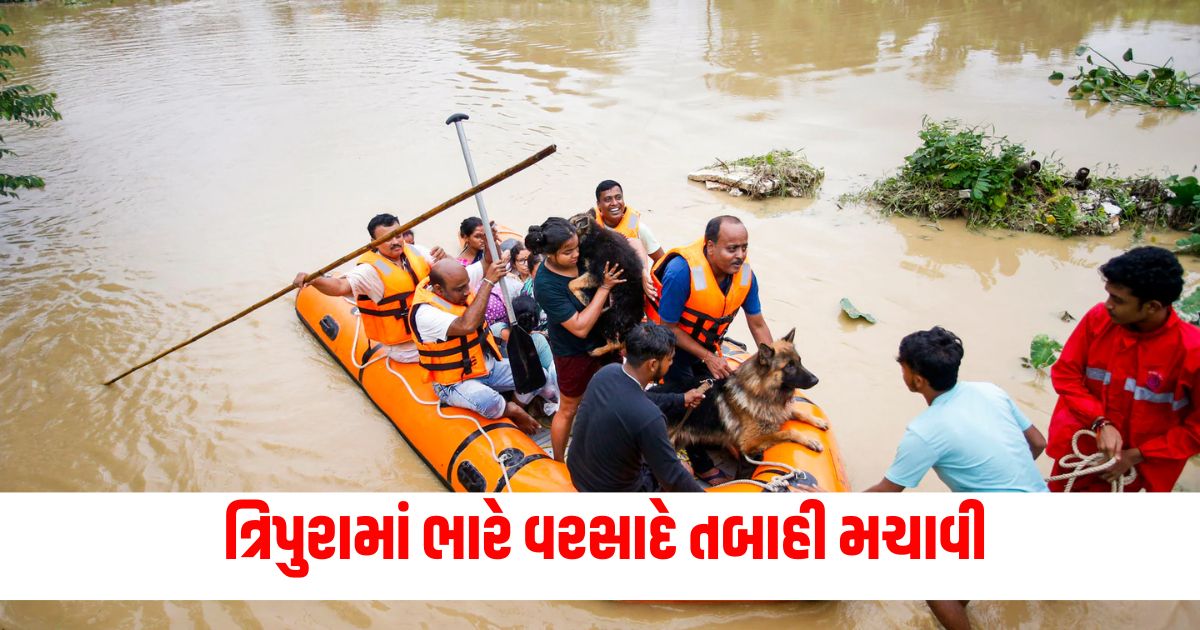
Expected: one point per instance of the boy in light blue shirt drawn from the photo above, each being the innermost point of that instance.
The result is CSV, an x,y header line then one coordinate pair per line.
x,y
972,435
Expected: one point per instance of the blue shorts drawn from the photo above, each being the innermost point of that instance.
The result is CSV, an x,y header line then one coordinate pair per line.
x,y
482,395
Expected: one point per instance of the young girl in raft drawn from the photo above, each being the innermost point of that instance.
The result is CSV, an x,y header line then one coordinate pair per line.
x,y
570,322
472,234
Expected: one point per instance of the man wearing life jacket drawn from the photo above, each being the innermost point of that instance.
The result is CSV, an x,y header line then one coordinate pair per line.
x,y
702,288
383,282
1130,372
615,215
456,346
612,212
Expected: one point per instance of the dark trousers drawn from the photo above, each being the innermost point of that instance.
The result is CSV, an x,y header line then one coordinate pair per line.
x,y
688,370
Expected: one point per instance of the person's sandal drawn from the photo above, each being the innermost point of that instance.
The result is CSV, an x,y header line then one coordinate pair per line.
x,y
715,477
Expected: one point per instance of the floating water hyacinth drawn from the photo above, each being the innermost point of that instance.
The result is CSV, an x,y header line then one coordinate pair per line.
x,y
1155,86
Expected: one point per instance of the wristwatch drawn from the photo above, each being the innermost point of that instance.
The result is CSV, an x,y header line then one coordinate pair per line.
x,y
1099,424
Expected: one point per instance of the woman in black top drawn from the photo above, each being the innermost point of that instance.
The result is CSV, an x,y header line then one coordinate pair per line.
x,y
570,322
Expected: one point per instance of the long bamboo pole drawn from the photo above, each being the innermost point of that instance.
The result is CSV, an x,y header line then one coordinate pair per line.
x,y
471,192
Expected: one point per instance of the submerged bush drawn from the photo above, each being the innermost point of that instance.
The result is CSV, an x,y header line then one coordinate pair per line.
x,y
994,182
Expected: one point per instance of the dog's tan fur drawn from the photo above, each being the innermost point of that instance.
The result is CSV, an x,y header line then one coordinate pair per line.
x,y
754,404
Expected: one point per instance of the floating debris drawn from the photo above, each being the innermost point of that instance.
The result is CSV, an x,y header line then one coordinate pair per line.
x,y
776,174
853,313
993,182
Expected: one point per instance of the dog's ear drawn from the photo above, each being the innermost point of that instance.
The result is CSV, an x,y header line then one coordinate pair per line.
x,y
765,354
790,336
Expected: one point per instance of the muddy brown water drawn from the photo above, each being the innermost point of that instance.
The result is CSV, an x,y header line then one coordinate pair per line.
x,y
209,150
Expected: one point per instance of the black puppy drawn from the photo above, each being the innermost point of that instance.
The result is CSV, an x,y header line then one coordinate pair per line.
x,y
600,246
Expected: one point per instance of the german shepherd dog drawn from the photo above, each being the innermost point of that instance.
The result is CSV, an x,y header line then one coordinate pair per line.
x,y
599,246
747,410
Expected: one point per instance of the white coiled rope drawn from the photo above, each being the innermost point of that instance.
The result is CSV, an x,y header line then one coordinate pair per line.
x,y
501,460
1078,465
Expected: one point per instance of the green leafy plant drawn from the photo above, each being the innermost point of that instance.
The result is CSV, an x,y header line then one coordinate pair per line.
x,y
20,103
1156,86
1185,190
1188,245
1043,352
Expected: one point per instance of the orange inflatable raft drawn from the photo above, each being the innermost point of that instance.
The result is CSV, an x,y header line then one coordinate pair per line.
x,y
465,450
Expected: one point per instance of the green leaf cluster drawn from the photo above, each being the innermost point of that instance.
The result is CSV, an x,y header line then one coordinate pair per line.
x,y
1184,190
971,160
1043,352
20,103
1155,86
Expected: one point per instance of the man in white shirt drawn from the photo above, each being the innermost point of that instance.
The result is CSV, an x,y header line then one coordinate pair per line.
x,y
457,348
383,283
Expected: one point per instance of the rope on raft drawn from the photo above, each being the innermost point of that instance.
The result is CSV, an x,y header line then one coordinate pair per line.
x,y
778,484
501,460
1078,465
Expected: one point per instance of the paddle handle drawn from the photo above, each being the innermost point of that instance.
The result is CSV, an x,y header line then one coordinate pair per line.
x,y
475,189
456,120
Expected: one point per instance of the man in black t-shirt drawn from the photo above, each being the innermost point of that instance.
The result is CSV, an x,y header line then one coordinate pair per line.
x,y
619,440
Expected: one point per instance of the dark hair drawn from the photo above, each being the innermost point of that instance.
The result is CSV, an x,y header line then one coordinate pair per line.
x,y
607,184
713,229
526,310
467,227
408,233
549,236
384,219
648,341
514,252
535,259
934,354
1150,273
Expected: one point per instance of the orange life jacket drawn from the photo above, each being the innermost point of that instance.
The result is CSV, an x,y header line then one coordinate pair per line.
x,y
628,227
708,311
386,321
458,358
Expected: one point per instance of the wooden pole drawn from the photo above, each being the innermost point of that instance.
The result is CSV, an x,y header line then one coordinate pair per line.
x,y
474,190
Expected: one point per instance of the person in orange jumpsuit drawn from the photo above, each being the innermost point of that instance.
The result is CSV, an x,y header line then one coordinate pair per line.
x,y
1131,373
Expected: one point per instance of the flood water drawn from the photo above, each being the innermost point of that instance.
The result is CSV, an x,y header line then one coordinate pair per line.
x,y
209,150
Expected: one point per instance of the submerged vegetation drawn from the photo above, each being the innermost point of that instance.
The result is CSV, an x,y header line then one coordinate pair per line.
x,y
1156,86
993,182
779,173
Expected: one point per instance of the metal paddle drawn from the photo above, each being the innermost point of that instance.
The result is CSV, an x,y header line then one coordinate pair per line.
x,y
522,354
